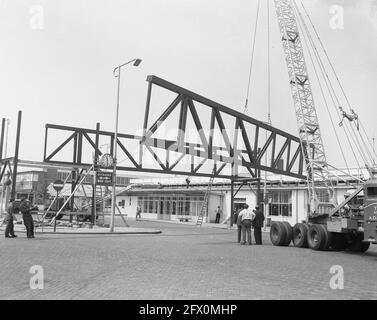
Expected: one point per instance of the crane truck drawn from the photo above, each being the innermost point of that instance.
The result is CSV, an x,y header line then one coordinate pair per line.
x,y
351,224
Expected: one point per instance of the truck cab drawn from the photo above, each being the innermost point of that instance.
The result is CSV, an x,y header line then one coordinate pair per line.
x,y
370,210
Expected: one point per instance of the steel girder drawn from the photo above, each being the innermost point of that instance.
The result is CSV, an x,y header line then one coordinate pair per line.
x,y
245,150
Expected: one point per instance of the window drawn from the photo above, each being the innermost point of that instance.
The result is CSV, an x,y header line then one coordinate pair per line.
x,y
172,204
62,175
372,192
323,195
122,181
281,204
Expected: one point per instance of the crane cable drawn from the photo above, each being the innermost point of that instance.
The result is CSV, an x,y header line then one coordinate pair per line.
x,y
268,66
252,59
323,72
333,95
322,91
341,87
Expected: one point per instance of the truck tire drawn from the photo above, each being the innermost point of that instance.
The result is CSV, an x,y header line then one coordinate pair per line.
x,y
316,237
358,245
328,238
289,233
278,234
299,235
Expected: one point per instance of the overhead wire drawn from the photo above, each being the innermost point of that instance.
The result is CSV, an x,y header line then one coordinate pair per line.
x,y
334,98
252,59
364,144
268,65
321,88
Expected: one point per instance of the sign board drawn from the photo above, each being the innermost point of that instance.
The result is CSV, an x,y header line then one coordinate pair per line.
x,y
104,178
58,185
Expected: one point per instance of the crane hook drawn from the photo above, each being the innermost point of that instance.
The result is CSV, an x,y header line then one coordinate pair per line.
x,y
351,117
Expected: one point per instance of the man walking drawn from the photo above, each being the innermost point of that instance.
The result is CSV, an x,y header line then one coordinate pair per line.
x,y
9,229
25,209
258,224
218,214
247,216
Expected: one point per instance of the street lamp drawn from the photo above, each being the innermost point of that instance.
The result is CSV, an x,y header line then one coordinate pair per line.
x,y
116,73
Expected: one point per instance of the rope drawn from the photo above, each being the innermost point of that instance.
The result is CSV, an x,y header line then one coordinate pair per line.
x,y
341,87
370,143
322,91
252,59
334,97
268,65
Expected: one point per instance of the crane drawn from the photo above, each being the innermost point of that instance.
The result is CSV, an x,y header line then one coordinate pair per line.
x,y
306,115
328,225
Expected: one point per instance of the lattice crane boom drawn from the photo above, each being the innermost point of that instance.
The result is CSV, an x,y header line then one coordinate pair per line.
x,y
306,115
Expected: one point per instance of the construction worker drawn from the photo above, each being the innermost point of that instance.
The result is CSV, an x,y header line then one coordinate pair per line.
x,y
138,213
218,214
258,224
9,229
247,216
238,220
25,209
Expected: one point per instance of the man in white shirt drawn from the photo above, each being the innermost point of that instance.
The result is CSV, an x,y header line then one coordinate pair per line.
x,y
247,216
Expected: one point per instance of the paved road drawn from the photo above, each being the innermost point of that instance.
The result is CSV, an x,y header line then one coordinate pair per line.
x,y
184,262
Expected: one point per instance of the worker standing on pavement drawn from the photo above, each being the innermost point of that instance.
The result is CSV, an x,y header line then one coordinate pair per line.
x,y
9,229
247,216
218,214
258,224
138,213
238,220
25,209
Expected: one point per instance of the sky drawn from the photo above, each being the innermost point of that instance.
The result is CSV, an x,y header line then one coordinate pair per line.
x,y
57,58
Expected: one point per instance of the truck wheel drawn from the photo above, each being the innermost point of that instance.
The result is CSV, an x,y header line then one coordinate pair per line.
x,y
288,232
316,237
277,234
358,245
299,235
328,238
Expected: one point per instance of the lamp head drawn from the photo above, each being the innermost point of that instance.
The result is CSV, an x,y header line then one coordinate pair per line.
x,y
137,62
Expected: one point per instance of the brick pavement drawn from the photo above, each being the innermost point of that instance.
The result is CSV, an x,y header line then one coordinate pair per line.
x,y
184,262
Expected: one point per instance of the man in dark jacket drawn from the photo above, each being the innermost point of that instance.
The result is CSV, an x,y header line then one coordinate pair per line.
x,y
258,224
218,214
239,226
9,229
25,209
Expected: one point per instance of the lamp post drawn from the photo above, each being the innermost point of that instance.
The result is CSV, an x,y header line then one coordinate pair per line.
x,y
116,73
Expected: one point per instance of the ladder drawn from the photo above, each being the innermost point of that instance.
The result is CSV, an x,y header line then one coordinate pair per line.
x,y
203,209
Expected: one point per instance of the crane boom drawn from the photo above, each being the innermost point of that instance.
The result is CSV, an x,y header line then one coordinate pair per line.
x,y
306,115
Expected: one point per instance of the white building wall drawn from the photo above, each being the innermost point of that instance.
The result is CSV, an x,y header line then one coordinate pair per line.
x,y
299,204
130,208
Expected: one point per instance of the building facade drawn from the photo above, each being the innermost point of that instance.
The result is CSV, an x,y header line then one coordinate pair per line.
x,y
169,199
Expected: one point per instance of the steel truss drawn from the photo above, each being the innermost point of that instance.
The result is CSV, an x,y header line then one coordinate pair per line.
x,y
231,154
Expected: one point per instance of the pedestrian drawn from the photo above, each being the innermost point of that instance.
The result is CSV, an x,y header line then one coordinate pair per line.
x,y
218,214
25,209
238,219
138,213
247,216
258,224
9,229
